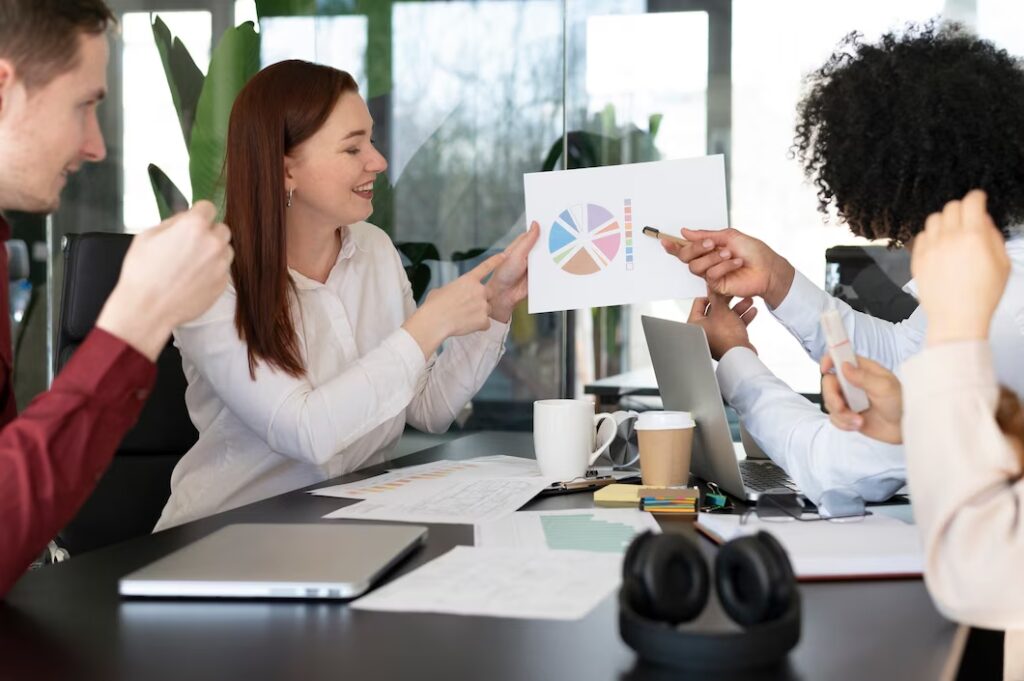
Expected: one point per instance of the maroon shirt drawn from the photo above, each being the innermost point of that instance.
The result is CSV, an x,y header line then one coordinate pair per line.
x,y
53,453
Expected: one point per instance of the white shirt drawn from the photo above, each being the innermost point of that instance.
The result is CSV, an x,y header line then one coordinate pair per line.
x,y
365,378
799,437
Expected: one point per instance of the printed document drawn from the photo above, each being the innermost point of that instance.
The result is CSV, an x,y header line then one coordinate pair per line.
x,y
462,492
521,583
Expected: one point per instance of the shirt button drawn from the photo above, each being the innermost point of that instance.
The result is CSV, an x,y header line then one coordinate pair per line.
x,y
141,395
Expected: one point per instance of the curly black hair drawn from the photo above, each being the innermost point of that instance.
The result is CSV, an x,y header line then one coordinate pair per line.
x,y
890,132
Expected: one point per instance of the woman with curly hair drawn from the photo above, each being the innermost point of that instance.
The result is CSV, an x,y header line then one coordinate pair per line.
x,y
888,132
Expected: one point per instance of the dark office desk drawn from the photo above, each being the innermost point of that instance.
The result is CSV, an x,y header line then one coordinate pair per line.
x,y
67,621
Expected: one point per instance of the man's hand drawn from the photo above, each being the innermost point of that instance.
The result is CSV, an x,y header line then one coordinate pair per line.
x,y
881,421
725,327
734,264
171,274
960,265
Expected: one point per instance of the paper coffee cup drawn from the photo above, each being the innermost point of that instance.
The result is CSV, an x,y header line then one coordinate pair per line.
x,y
666,442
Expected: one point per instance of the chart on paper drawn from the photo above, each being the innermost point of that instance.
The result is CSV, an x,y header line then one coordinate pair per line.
x,y
591,251
584,239
608,530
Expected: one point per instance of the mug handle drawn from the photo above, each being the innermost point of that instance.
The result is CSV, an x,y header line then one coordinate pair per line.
x,y
598,418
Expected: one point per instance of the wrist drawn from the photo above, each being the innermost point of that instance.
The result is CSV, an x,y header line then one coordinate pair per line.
x,y
138,322
722,350
501,311
890,434
423,329
780,280
939,334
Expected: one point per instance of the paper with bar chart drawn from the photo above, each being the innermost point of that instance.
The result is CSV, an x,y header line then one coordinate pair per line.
x,y
592,252
602,530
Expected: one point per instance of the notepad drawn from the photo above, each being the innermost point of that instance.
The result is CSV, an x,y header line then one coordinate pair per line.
x,y
879,546
628,496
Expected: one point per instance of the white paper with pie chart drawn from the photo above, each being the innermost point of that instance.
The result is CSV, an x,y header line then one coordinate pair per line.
x,y
591,251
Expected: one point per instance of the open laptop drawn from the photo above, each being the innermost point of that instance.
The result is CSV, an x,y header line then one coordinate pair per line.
x,y
325,560
686,380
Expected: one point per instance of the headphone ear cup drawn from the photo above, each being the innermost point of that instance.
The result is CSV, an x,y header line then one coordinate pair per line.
x,y
754,579
674,578
633,587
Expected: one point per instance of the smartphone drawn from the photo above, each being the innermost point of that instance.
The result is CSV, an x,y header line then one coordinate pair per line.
x,y
841,351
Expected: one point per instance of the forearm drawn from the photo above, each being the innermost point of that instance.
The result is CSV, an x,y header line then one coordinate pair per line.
x,y
799,437
455,377
52,455
877,339
964,477
314,424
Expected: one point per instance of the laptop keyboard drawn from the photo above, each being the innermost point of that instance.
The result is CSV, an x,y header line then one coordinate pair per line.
x,y
762,476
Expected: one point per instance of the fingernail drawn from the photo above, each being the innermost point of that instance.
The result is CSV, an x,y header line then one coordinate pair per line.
x,y
737,261
708,243
725,255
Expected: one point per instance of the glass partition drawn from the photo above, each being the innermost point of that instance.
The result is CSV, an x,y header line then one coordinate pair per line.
x,y
469,95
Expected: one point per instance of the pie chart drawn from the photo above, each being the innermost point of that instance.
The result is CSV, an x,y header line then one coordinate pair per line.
x,y
584,239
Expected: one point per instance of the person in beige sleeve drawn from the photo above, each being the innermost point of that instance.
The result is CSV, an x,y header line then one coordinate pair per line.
x,y
962,432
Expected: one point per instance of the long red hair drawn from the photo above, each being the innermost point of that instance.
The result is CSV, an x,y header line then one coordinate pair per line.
x,y
279,108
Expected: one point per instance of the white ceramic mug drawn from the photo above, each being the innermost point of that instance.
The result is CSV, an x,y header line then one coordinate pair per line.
x,y
563,437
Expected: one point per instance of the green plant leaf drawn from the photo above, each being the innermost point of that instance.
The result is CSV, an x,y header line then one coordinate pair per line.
x,y
169,199
184,78
235,60
654,123
285,8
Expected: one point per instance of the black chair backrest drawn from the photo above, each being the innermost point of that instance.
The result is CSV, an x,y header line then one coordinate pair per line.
x,y
128,500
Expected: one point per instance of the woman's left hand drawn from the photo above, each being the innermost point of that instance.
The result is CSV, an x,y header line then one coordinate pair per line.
x,y
508,285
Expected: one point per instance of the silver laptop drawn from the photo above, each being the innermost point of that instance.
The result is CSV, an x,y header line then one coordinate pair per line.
x,y
686,380
325,560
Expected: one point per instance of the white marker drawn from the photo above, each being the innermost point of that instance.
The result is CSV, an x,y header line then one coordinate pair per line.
x,y
841,351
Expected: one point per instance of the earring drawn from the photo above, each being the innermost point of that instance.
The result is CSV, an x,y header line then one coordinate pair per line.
x,y
289,203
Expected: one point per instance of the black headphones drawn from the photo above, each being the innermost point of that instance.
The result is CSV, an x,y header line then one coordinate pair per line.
x,y
665,582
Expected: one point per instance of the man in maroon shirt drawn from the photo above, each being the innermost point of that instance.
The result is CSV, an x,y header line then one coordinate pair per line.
x,y
53,61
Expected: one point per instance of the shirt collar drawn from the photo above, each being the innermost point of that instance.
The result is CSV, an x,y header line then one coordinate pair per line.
x,y
351,241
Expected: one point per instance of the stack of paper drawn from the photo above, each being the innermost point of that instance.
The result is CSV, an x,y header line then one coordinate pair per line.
x,y
463,492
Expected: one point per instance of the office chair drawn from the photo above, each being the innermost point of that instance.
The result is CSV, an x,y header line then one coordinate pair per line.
x,y
870,278
130,496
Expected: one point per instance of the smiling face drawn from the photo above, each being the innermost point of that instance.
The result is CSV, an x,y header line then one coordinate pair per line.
x,y
49,131
332,172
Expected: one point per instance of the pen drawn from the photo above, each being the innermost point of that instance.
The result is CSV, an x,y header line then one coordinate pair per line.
x,y
657,234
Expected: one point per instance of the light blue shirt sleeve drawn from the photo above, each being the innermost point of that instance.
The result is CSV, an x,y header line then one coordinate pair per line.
x,y
799,437
887,343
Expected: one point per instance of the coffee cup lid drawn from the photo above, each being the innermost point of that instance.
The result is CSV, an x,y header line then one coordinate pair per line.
x,y
664,420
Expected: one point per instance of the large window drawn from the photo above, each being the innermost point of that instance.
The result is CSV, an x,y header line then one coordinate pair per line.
x,y
469,95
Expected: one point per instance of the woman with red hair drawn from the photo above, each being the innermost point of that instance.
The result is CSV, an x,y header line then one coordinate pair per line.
x,y
312,362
